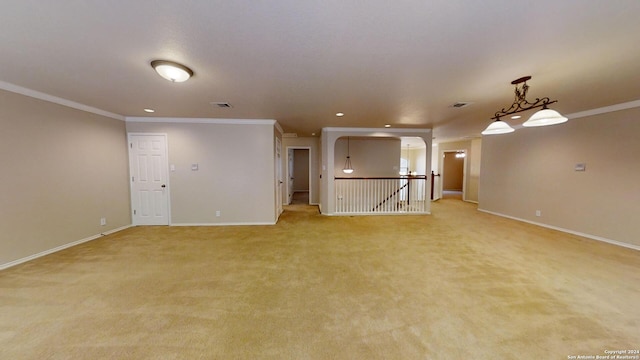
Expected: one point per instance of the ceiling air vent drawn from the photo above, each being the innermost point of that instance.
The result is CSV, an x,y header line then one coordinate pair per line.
x,y
222,104
461,104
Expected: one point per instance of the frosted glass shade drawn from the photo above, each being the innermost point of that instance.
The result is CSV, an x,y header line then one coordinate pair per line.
x,y
348,169
171,71
545,117
498,127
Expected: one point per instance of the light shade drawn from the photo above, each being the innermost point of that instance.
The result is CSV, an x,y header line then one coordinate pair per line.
x,y
498,127
348,169
172,71
545,117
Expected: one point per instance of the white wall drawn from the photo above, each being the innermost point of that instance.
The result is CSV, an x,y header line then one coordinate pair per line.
x,y
62,170
533,169
236,173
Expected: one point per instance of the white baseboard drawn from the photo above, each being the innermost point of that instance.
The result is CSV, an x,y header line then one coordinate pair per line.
x,y
223,224
61,247
588,236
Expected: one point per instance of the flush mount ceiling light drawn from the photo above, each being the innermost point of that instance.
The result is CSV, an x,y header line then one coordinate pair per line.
x,y
543,117
348,169
339,114
172,71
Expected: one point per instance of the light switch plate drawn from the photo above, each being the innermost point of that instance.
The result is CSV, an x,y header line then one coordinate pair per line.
x,y
580,167
194,167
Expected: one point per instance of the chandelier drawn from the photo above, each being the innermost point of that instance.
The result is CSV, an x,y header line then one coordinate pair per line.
x,y
543,117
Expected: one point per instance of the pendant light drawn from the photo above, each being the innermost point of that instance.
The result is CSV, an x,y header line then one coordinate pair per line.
x,y
543,117
348,169
498,127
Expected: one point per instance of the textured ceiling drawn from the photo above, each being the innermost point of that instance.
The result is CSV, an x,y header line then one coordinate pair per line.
x,y
299,62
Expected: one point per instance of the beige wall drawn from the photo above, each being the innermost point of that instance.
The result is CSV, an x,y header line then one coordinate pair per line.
x,y
452,172
533,169
417,159
474,158
301,170
370,157
62,170
236,174
313,143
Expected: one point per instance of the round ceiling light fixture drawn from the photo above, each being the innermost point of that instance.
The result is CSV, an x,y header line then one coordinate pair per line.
x,y
172,71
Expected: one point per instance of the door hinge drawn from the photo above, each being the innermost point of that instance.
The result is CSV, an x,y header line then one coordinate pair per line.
x,y
134,212
131,145
133,179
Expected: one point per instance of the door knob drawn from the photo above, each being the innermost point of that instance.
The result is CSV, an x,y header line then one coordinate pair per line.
x,y
163,185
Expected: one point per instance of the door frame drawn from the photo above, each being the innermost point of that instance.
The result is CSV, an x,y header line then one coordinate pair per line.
x,y
294,147
278,176
464,170
166,156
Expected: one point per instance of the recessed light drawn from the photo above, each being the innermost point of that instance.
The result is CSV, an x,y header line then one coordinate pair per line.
x,y
339,114
149,110
516,117
313,134
387,125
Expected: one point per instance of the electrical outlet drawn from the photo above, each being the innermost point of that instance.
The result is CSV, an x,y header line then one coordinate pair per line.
x,y
217,213
103,221
538,213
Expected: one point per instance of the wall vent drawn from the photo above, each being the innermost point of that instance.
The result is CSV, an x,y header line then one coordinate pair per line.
x,y
461,104
221,104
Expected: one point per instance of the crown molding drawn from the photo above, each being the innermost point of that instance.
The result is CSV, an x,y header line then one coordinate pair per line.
x,y
605,109
178,120
57,100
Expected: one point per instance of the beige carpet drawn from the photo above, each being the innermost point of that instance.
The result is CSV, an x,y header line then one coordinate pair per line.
x,y
458,284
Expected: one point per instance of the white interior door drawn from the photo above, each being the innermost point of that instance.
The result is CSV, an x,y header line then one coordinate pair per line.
x,y
149,185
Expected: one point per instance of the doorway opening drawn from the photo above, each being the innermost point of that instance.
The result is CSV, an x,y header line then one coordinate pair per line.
x,y
298,175
453,174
